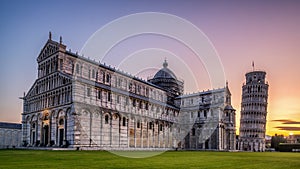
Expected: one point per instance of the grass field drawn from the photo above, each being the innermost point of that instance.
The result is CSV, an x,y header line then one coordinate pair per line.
x,y
172,159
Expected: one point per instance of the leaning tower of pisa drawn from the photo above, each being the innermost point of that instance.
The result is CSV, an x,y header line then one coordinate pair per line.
x,y
253,112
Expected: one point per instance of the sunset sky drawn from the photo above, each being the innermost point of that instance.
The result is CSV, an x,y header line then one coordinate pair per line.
x,y
267,33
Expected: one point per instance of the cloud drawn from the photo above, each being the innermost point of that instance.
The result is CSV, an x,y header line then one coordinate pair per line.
x,y
285,121
288,128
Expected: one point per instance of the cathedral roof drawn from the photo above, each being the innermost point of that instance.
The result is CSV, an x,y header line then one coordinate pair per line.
x,y
228,107
165,73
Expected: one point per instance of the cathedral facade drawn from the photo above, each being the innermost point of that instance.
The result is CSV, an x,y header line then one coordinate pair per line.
x,y
77,102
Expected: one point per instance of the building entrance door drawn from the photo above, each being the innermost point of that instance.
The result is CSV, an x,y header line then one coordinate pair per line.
x,y
46,135
206,144
33,138
61,136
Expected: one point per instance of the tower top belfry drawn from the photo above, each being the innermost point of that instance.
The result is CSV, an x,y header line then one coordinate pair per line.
x,y
255,77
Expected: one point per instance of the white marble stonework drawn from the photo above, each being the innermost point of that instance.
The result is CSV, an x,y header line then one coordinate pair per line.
x,y
254,112
76,102
10,135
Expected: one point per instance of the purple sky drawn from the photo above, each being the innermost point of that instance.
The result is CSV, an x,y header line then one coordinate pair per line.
x,y
266,32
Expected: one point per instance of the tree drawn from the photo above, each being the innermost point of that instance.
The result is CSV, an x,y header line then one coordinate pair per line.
x,y
276,140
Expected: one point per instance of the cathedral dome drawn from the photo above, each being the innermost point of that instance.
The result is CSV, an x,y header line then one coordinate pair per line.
x,y
166,79
165,73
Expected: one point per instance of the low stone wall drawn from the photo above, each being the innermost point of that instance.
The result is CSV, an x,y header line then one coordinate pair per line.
x,y
10,138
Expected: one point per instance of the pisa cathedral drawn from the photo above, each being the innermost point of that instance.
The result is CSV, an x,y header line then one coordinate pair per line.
x,y
76,102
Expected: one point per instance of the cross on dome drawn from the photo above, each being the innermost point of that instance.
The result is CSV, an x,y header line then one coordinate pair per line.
x,y
165,64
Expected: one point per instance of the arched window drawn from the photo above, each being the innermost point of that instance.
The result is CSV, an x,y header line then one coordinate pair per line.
x,y
130,86
106,119
124,121
193,132
119,82
133,103
150,125
96,76
99,94
109,96
77,69
72,67
61,122
107,78
103,77
93,73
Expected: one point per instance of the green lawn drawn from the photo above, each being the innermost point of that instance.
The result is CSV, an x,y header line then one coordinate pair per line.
x,y
172,159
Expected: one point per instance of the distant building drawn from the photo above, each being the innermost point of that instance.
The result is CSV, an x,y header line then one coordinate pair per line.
x,y
77,102
293,139
254,112
10,135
